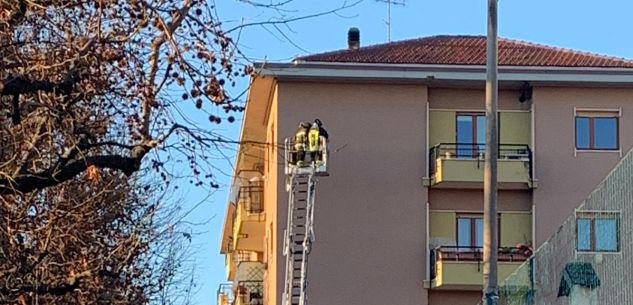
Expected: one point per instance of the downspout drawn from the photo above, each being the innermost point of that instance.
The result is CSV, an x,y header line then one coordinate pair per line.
x,y
426,190
533,165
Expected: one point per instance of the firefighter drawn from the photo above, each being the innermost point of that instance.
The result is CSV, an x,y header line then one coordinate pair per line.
x,y
301,138
322,131
314,142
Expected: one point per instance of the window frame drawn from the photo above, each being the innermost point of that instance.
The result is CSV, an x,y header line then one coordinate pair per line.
x,y
473,117
591,115
592,216
475,149
473,227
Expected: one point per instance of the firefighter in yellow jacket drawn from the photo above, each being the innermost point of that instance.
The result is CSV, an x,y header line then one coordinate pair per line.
x,y
314,143
301,138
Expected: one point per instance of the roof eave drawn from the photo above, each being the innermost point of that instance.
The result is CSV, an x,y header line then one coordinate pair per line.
x,y
425,72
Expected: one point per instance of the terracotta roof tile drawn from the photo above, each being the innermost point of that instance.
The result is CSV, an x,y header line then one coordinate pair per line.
x,y
469,50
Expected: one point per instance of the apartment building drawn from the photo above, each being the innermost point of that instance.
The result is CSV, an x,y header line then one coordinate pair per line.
x,y
399,219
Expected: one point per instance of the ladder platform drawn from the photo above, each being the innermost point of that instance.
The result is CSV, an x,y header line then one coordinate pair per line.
x,y
318,169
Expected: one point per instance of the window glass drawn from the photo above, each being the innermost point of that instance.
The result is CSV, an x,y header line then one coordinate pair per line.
x,y
479,232
464,135
606,235
463,232
471,130
597,130
584,234
582,133
481,133
597,232
605,133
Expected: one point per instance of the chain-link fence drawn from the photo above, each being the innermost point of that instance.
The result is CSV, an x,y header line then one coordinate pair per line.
x,y
588,260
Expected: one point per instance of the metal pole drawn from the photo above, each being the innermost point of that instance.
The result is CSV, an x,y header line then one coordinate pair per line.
x,y
490,291
389,19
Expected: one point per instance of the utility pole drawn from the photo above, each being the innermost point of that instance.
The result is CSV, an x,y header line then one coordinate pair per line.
x,y
388,21
490,290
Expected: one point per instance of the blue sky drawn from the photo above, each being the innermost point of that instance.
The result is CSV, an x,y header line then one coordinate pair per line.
x,y
596,26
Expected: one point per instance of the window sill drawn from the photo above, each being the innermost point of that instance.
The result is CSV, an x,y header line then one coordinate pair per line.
x,y
597,252
617,151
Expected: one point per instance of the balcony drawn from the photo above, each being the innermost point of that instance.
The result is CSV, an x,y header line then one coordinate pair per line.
x,y
244,266
225,294
460,268
461,165
248,218
249,293
241,293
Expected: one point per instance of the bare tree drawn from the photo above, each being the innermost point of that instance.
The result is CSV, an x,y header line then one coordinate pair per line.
x,y
92,240
100,83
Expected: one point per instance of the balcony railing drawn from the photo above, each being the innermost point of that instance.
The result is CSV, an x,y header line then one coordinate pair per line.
x,y
318,165
249,293
251,196
243,266
225,294
475,255
241,293
248,218
461,165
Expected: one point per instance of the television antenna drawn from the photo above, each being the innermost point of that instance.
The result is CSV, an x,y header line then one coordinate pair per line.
x,y
388,21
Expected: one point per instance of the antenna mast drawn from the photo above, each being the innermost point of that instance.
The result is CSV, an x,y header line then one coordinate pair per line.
x,y
388,21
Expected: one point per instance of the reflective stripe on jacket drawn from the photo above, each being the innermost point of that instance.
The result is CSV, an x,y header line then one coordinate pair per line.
x,y
300,139
313,139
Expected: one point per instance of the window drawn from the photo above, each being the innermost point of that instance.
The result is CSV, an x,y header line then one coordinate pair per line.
x,y
470,232
598,232
471,134
597,130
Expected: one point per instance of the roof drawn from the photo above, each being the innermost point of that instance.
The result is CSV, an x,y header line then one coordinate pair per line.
x,y
469,50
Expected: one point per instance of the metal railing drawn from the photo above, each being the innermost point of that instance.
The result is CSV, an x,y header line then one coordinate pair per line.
x,y
241,293
240,256
249,293
291,156
475,151
243,177
475,254
225,294
252,197
245,256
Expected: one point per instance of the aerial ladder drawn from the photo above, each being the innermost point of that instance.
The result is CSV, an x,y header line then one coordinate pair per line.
x,y
301,180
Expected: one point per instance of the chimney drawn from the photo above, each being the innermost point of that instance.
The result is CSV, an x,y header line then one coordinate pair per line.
x,y
353,38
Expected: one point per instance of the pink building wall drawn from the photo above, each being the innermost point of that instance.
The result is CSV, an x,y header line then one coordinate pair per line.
x,y
370,213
